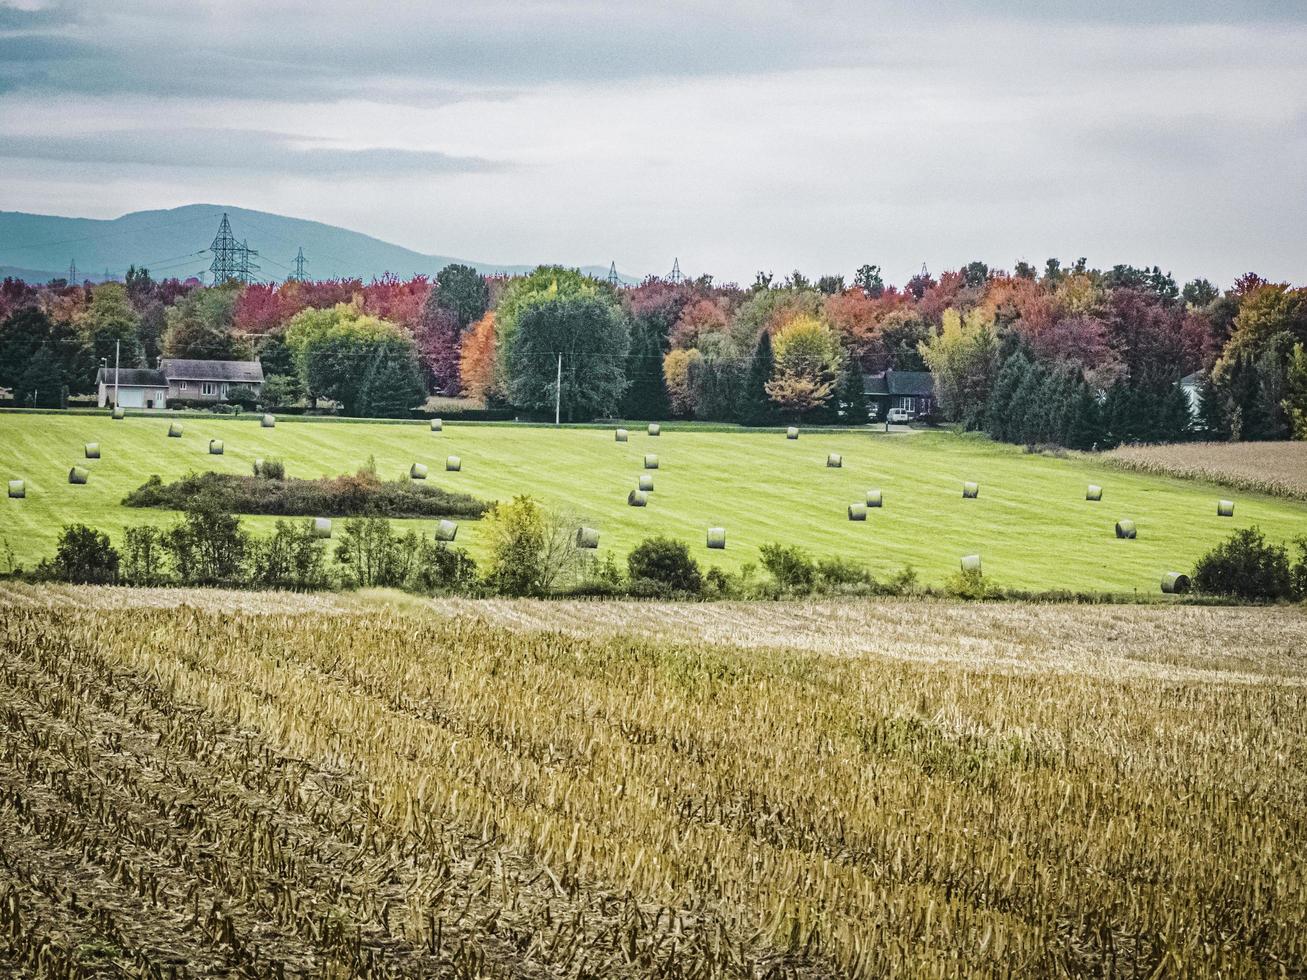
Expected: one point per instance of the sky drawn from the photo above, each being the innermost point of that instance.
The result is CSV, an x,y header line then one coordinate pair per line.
x,y
733,136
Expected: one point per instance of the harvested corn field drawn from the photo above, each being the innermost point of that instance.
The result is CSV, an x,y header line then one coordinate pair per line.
x,y
266,785
1275,468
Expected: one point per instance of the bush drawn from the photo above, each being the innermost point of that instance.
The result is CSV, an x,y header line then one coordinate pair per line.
x,y
791,566
292,557
531,548
1298,573
369,552
207,547
437,567
143,556
84,555
837,572
272,469
971,584
659,565
1245,565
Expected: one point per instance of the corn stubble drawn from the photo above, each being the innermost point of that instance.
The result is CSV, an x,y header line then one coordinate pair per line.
x,y
369,793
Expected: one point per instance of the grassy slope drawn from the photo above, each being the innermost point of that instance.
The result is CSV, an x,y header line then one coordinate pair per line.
x,y
1031,523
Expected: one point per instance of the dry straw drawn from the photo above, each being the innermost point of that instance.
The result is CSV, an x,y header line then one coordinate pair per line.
x,y
418,471
78,475
834,461
215,447
620,435
92,450
637,498
119,412
1125,529
1095,492
17,489
437,425
792,432
655,429
970,490
587,537
650,461
268,422
322,527
1175,583
971,563
646,482
174,430
874,498
717,538
1225,508
453,464
446,531
857,512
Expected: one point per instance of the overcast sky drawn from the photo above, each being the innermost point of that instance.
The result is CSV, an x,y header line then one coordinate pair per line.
x,y
736,136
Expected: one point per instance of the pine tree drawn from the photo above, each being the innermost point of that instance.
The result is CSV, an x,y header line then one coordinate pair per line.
x,y
1025,408
1212,421
756,407
999,422
1174,420
1084,425
852,395
646,393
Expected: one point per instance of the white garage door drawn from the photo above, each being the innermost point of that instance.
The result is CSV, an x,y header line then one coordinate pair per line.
x,y
129,397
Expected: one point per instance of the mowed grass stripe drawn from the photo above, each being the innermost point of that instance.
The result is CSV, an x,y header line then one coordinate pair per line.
x,y
1031,523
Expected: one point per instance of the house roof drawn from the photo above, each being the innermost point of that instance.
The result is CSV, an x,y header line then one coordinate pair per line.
x,y
240,372
891,382
132,377
1192,380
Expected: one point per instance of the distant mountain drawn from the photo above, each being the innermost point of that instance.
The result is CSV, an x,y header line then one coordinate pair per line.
x,y
39,247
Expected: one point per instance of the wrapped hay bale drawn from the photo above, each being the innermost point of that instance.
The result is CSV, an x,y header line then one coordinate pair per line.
x,y
1125,529
418,471
1225,508
637,498
587,537
1175,583
17,489
646,482
175,430
650,461
268,422
873,498
322,527
78,475
857,512
92,450
446,531
792,432
971,563
655,429
970,491
834,460
258,467
1094,492
119,412
717,538
437,425
620,435
215,447
453,464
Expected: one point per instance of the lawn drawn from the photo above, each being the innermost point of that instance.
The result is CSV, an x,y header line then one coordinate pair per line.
x,y
1031,523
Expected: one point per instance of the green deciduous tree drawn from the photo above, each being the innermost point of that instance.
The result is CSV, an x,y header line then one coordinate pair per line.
x,y
962,358
461,290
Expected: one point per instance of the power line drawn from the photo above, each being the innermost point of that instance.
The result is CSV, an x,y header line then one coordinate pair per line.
x,y
120,232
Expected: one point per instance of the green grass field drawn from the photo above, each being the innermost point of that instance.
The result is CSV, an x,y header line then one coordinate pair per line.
x,y
1031,523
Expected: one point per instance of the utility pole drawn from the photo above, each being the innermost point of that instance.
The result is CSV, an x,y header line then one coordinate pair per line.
x,y
116,345
72,272
558,391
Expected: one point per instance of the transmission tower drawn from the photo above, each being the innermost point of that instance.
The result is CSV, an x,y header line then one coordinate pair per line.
x,y
72,272
245,269
613,277
675,277
300,262
226,251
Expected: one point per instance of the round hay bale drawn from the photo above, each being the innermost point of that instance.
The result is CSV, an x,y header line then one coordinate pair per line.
x,y
834,460
437,425
119,412
971,563
446,531
587,537
646,482
650,461
874,498
17,489
174,430
258,466
78,475
1175,583
1095,492
418,471
1125,529
1225,508
620,435
322,527
268,422
453,464
857,512
655,429
637,498
92,450
970,491
215,447
792,432
717,538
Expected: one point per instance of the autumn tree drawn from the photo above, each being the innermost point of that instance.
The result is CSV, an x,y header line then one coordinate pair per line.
x,y
962,359
478,360
110,323
200,326
677,366
808,362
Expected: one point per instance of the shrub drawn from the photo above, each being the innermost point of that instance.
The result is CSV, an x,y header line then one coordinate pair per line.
x,y
531,549
1298,573
273,469
369,552
438,567
835,572
143,556
83,555
207,547
1245,565
971,584
292,557
661,564
791,566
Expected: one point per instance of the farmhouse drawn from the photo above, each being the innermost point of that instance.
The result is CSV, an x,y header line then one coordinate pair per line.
x,y
176,379
913,391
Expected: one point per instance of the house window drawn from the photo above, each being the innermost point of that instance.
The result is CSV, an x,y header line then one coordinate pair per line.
x,y
224,391
208,388
181,385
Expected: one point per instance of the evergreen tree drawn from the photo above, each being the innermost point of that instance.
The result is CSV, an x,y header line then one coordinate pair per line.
x,y
1175,423
646,394
1083,426
392,380
852,395
998,407
1212,421
1025,409
757,407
